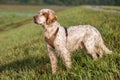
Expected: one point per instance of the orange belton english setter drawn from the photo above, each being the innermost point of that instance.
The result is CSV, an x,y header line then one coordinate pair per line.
x,y
65,40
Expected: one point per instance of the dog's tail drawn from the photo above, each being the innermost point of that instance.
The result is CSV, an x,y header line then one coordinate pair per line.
x,y
104,48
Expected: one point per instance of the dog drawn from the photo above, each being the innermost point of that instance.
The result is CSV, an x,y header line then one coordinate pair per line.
x,y
62,41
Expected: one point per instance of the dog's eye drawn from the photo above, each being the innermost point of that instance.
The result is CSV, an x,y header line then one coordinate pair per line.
x,y
43,14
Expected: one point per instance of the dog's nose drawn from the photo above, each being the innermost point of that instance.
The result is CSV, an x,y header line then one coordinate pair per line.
x,y
33,17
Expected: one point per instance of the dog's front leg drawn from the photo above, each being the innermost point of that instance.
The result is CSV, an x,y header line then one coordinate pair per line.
x,y
53,59
65,54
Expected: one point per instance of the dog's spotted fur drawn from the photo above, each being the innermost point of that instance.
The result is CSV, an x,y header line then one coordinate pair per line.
x,y
63,41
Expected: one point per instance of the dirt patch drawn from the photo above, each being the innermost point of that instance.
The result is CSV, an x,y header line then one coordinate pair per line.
x,y
14,25
32,8
98,8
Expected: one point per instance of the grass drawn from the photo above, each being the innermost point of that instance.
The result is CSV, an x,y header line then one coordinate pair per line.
x,y
23,54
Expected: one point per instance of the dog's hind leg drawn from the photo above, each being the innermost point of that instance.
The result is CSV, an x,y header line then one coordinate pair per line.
x,y
91,49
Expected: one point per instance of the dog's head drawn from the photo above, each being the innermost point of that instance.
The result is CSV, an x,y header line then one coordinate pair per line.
x,y
45,16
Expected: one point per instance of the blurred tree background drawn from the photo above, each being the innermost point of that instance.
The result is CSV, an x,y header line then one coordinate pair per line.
x,y
63,2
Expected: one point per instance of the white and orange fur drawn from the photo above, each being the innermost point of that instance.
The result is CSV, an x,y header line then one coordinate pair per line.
x,y
81,36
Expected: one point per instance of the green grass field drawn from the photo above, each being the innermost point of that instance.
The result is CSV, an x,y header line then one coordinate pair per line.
x,y
23,54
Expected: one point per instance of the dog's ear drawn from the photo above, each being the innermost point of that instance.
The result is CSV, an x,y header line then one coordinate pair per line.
x,y
51,17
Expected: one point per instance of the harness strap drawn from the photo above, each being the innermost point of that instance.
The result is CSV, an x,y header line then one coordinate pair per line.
x,y
66,32
50,41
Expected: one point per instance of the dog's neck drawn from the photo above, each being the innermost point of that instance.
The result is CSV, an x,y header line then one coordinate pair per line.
x,y
50,29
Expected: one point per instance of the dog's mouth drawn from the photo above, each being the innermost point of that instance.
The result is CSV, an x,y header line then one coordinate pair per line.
x,y
35,22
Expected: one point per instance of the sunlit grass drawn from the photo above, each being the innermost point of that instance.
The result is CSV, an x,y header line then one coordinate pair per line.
x,y
23,53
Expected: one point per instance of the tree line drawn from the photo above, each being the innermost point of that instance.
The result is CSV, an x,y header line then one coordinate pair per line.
x,y
63,2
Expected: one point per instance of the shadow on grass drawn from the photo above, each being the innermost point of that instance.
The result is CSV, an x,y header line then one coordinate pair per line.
x,y
39,65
